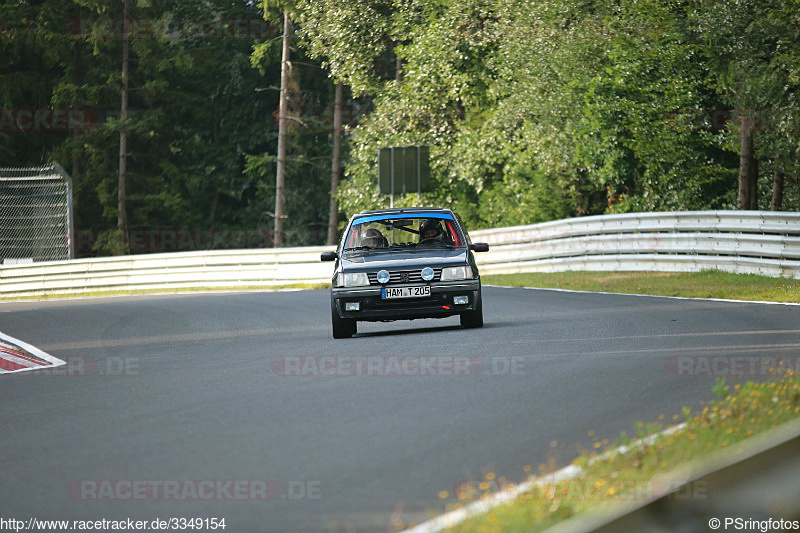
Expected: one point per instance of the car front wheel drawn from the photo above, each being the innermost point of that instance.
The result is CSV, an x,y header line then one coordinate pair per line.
x,y
343,328
473,319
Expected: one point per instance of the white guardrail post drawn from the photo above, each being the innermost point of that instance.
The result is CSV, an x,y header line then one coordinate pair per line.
x,y
757,242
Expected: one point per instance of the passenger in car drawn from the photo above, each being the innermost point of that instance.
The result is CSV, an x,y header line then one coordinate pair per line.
x,y
373,238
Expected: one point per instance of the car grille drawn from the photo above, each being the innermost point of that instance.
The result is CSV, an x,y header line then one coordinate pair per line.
x,y
405,276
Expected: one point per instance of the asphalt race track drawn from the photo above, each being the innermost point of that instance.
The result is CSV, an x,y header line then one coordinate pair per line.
x,y
192,391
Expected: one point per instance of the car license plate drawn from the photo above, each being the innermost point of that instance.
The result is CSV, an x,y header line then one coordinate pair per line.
x,y
405,292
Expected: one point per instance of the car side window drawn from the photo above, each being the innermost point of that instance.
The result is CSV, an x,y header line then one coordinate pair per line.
x,y
452,234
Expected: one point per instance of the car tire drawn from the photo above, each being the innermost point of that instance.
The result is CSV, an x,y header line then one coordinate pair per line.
x,y
473,319
343,328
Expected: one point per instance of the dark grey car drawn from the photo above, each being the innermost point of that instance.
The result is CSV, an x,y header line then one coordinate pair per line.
x,y
402,264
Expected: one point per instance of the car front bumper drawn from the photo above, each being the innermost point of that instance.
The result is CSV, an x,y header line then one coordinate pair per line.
x,y
439,304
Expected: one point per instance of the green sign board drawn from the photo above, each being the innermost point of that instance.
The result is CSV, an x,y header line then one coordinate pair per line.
x,y
404,169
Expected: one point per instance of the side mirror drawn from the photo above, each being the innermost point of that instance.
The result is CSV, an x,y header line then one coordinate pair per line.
x,y
479,247
328,256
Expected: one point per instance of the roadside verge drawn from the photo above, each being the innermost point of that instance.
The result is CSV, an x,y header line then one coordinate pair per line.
x,y
685,465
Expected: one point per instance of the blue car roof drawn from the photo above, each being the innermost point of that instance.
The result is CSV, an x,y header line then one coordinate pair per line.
x,y
418,214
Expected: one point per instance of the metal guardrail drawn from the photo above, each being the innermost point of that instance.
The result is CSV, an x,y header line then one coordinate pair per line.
x,y
758,242
218,268
750,242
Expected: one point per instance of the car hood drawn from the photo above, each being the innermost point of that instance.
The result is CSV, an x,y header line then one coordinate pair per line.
x,y
404,259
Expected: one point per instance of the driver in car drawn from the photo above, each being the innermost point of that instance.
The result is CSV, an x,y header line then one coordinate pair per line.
x,y
431,231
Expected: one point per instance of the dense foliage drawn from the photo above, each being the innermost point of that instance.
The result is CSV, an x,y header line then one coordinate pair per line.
x,y
541,110
533,110
202,127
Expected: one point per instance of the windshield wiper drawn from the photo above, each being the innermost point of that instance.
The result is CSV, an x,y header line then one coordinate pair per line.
x,y
437,244
358,248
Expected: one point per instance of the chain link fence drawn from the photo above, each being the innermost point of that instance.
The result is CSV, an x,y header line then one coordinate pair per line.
x,y
35,215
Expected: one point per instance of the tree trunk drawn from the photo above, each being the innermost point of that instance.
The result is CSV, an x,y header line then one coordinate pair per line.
x,y
333,212
280,177
77,104
777,191
212,217
122,215
748,168
754,186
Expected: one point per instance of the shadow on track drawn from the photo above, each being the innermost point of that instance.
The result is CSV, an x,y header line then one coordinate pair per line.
x,y
429,329
410,331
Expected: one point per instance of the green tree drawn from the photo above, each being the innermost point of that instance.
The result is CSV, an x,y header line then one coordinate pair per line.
x,y
752,52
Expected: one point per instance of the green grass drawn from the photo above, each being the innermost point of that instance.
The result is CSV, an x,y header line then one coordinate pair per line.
x,y
243,288
706,284
609,477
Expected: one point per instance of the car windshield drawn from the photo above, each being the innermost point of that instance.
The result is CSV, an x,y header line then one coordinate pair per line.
x,y
403,231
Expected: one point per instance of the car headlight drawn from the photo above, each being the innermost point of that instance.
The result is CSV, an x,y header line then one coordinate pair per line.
x,y
356,279
454,273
